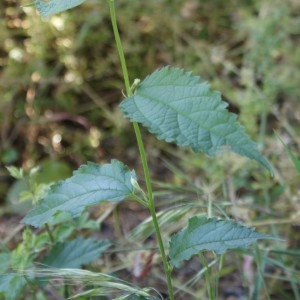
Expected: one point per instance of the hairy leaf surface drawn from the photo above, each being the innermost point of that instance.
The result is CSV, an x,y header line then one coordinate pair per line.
x,y
176,107
211,234
51,7
75,253
90,184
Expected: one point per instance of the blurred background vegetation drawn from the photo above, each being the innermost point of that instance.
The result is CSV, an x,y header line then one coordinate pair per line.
x,y
61,82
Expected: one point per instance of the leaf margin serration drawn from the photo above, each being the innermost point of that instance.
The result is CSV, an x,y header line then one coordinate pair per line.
x,y
179,241
44,211
236,137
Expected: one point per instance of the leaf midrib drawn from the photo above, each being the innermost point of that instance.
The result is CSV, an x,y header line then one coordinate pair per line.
x,y
187,116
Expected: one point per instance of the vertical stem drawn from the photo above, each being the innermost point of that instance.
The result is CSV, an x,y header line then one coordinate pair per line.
x,y
49,233
209,208
119,45
218,277
208,277
151,204
263,124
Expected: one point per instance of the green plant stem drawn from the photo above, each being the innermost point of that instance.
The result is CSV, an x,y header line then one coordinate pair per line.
x,y
150,204
113,18
49,233
208,278
166,265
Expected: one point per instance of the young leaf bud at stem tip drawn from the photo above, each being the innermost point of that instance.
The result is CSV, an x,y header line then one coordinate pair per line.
x,y
135,184
135,85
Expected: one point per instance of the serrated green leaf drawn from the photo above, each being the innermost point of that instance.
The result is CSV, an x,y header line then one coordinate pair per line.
x,y
12,285
15,172
4,282
63,231
176,107
84,222
48,8
211,234
75,253
4,262
90,184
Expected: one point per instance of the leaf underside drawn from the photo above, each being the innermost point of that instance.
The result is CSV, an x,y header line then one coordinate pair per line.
x,y
51,7
74,254
89,185
176,107
211,234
